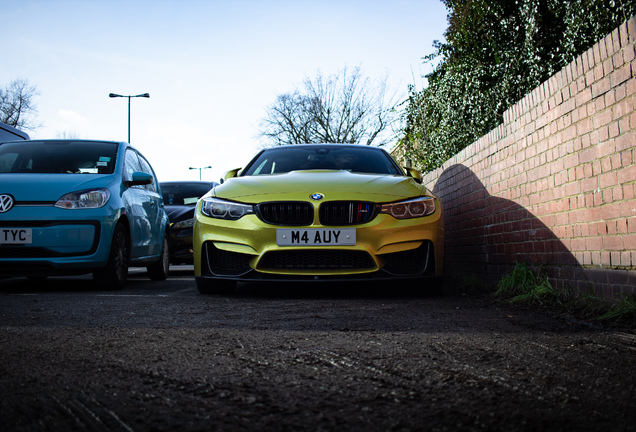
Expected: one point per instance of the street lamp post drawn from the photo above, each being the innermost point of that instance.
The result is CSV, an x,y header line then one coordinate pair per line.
x,y
200,169
114,95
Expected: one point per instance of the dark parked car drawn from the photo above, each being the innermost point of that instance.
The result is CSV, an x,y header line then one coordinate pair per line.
x,y
180,198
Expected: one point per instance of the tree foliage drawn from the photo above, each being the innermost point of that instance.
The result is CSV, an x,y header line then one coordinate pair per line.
x,y
17,104
495,52
346,107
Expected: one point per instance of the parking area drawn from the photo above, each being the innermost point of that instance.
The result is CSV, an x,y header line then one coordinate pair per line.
x,y
161,356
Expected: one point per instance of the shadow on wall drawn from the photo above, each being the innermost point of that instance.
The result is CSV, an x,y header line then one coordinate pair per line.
x,y
485,236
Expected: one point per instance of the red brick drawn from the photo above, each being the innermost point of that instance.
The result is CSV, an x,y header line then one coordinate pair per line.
x,y
589,184
622,108
577,244
627,208
623,124
627,141
617,193
573,188
598,199
605,259
610,98
629,53
627,174
613,243
603,133
594,243
629,241
613,129
610,211
626,259
607,180
600,87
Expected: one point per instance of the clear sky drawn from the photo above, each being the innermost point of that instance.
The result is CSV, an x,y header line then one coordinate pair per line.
x,y
211,66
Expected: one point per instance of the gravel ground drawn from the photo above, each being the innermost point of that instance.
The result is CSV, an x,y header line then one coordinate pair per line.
x,y
161,357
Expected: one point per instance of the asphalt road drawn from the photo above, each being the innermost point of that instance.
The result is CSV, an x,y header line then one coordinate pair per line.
x,y
158,356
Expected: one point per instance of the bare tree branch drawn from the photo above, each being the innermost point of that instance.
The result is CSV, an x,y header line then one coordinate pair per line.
x,y
342,108
17,105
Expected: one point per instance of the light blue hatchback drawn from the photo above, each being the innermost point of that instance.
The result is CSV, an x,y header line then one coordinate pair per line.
x,y
79,206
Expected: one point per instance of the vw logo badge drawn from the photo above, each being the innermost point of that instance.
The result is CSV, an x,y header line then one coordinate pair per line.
x,y
316,196
6,202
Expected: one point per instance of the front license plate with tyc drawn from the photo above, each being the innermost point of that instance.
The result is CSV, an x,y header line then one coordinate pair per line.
x,y
16,236
316,237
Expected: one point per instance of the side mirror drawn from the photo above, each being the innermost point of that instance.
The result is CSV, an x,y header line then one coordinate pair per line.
x,y
139,178
417,175
231,173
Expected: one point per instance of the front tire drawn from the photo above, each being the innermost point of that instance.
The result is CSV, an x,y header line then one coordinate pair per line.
x,y
115,274
160,269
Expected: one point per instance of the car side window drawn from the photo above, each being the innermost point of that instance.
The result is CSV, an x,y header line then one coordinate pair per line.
x,y
7,162
131,165
145,167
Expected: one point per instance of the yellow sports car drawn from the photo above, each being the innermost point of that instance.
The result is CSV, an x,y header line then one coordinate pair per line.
x,y
318,212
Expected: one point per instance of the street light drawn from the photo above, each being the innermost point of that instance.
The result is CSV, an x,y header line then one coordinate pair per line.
x,y
200,169
114,95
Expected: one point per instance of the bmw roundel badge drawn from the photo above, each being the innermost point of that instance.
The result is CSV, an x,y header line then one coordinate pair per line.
x,y
316,196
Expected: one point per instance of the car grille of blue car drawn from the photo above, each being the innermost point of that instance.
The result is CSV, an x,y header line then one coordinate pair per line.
x,y
286,213
317,260
346,212
19,252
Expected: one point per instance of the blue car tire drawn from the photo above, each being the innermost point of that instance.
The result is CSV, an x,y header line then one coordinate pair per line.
x,y
115,274
159,270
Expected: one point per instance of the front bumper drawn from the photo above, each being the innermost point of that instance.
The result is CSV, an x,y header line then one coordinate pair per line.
x,y
60,244
386,248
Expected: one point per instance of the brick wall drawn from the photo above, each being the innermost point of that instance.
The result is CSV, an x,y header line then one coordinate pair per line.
x,y
555,184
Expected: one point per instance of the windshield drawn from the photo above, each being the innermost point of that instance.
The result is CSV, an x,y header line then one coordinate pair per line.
x,y
58,157
184,193
353,158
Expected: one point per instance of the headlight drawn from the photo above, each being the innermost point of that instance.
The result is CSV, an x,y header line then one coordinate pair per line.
x,y
410,209
188,223
221,209
86,199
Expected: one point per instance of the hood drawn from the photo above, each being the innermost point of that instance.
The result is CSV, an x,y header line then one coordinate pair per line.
x,y
334,185
49,187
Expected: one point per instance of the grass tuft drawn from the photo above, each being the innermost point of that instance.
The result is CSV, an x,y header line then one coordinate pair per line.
x,y
624,310
523,285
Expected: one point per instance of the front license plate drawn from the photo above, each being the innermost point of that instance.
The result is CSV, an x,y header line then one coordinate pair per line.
x,y
15,236
316,237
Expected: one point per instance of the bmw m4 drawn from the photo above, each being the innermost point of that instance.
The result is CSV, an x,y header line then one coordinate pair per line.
x,y
318,212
